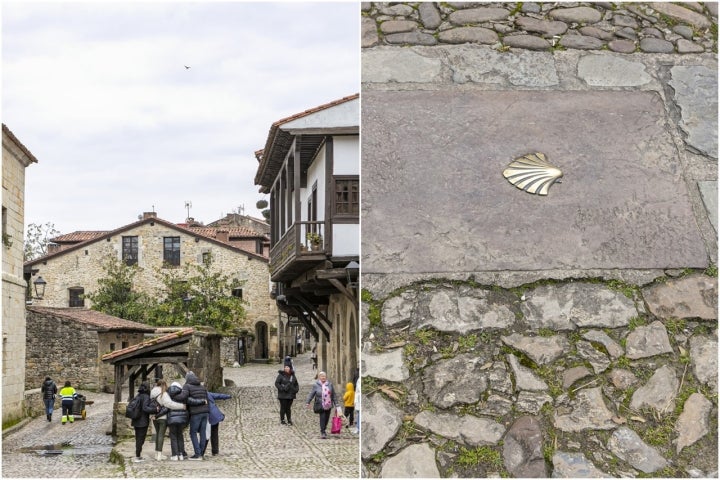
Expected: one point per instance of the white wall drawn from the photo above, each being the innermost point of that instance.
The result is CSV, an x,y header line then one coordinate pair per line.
x,y
316,172
346,153
346,239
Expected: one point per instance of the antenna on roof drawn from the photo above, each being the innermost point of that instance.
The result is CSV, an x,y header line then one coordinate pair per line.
x,y
188,205
241,209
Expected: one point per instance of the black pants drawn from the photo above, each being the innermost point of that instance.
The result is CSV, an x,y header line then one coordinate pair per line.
x,y
285,409
177,442
214,440
140,434
324,419
350,414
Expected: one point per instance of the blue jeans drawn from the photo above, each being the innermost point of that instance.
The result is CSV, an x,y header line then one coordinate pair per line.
x,y
49,404
198,424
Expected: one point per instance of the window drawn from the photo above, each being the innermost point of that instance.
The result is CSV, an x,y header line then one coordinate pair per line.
x,y
347,196
130,250
171,251
259,247
206,258
77,297
237,292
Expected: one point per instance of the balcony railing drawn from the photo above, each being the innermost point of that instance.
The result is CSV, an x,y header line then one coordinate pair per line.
x,y
302,242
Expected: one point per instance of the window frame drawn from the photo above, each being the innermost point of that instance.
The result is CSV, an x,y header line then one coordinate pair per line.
x,y
130,249
76,297
346,217
171,257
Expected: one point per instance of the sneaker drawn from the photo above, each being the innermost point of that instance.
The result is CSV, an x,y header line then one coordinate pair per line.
x,y
196,457
282,422
138,459
174,458
289,423
323,436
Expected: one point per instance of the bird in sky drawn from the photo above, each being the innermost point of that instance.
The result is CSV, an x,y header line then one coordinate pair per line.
x,y
186,67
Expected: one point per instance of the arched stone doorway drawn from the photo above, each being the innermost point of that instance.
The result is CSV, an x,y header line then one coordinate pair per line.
x,y
261,337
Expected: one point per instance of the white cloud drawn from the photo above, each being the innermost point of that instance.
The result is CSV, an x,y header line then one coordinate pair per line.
x,y
99,93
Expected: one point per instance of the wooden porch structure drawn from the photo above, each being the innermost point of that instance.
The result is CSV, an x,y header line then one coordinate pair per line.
x,y
142,359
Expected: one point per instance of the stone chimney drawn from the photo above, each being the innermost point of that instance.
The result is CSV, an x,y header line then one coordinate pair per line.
x,y
52,248
222,236
147,215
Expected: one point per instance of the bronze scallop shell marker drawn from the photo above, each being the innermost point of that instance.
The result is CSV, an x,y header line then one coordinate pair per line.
x,y
532,173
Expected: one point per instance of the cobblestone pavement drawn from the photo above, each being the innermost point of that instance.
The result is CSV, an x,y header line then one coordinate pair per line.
x,y
253,444
507,334
623,27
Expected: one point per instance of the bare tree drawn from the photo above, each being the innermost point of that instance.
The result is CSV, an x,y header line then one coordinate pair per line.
x,y
37,238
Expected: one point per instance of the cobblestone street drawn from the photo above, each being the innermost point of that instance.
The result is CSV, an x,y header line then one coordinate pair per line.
x,y
252,441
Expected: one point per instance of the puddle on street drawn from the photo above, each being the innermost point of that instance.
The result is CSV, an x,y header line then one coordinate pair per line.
x,y
66,449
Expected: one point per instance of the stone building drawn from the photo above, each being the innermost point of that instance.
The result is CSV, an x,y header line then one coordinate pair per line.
x,y
310,168
68,343
15,158
153,243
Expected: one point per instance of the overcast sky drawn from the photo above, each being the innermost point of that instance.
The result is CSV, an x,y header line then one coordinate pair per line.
x,y
99,93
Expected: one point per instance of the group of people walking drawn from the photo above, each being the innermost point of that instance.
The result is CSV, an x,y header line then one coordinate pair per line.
x,y
172,409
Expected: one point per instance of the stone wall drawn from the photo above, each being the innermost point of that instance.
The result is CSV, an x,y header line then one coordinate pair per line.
x,y
68,350
82,268
14,161
204,358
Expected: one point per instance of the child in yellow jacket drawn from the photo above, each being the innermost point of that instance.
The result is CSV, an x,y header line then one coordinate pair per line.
x,y
349,399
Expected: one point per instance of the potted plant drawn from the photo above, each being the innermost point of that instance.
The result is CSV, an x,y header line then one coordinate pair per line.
x,y
315,240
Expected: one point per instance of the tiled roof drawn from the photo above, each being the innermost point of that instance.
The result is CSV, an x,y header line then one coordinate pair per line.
x,y
78,236
94,318
243,232
278,141
156,343
316,109
120,230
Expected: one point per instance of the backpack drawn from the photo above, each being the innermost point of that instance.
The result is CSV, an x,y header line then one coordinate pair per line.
x,y
133,408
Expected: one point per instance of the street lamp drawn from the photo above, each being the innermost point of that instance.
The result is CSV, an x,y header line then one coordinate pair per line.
x,y
352,270
39,287
186,301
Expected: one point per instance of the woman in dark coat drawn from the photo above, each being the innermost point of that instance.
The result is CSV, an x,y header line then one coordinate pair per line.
x,y
287,387
324,394
142,422
49,390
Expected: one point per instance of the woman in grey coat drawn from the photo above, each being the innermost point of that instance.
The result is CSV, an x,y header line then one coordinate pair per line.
x,y
324,394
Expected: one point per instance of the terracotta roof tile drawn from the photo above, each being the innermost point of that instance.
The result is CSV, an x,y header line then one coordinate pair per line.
x,y
316,109
211,232
120,230
154,342
94,318
78,236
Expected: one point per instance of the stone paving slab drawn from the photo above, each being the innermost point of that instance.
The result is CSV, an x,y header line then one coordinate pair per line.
x,y
622,203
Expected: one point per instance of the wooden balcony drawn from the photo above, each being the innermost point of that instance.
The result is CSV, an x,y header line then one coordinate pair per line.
x,y
295,252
